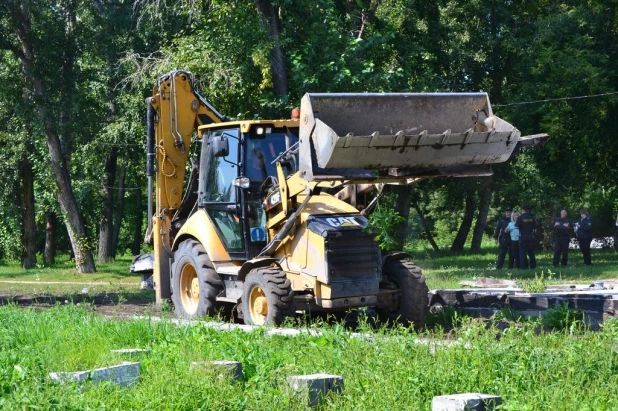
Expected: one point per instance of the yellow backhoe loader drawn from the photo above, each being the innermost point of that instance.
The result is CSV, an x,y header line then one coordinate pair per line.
x,y
253,227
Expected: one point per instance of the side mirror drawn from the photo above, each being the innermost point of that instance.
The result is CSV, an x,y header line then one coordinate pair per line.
x,y
220,146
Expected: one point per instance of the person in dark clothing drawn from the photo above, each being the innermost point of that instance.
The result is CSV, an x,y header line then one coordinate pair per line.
x,y
526,223
616,236
583,229
503,238
562,237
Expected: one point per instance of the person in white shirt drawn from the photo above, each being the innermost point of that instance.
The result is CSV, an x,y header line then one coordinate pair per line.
x,y
513,231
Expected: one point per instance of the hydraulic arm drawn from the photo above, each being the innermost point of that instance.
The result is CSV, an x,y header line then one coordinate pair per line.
x,y
175,111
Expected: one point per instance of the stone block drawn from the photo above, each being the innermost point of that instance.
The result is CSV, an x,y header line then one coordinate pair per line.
x,y
311,389
223,368
125,374
465,402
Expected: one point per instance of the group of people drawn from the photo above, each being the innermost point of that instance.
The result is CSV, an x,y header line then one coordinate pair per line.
x,y
515,235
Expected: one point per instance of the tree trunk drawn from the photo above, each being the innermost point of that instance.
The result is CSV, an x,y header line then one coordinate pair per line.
x,y
464,228
481,219
119,207
106,226
28,259
425,225
84,262
75,226
270,19
402,206
138,235
28,239
49,254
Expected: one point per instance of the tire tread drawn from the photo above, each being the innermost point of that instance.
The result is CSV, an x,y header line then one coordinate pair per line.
x,y
415,293
275,283
209,280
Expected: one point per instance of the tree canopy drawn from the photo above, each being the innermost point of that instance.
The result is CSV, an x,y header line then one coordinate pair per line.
x,y
74,75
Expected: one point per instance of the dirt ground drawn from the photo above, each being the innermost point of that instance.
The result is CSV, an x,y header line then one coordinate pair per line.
x,y
125,305
115,305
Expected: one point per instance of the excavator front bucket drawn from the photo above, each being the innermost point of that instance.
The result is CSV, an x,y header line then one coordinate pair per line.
x,y
365,137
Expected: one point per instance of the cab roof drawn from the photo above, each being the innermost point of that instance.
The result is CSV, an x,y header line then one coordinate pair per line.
x,y
246,125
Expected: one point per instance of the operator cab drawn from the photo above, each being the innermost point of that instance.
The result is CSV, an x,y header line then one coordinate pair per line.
x,y
237,165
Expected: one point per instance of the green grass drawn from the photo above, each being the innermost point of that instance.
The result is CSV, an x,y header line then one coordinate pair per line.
x,y
446,270
64,270
110,277
572,369
546,371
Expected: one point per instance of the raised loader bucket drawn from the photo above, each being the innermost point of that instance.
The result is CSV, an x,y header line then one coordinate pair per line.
x,y
372,136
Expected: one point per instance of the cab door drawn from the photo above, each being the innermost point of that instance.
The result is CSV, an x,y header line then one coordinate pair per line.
x,y
218,195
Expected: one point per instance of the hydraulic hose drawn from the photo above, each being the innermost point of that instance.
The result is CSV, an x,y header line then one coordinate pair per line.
x,y
150,140
150,160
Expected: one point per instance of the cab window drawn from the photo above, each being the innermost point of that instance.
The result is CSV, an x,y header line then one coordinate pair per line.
x,y
261,151
222,171
220,195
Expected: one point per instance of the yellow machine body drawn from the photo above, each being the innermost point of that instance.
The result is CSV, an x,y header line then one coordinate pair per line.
x,y
256,224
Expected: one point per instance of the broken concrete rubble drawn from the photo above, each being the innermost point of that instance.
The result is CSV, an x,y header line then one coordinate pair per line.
x,y
597,304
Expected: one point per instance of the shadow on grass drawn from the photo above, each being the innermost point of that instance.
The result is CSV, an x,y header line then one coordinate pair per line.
x,y
139,298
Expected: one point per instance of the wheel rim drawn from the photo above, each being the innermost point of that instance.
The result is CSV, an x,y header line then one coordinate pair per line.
x,y
258,306
189,289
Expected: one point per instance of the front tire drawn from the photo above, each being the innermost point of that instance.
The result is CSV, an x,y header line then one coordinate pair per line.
x,y
195,284
411,303
267,297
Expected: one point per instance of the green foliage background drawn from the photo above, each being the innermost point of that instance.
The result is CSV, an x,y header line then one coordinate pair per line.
x,y
518,52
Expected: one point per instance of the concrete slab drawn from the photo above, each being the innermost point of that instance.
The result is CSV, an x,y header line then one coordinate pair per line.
x,y
465,402
488,282
125,374
311,389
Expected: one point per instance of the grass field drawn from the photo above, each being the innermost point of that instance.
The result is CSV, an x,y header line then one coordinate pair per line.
x,y
64,270
110,277
531,369
443,270
446,270
546,371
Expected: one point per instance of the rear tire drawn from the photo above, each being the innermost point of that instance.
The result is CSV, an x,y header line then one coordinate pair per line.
x,y
195,284
413,301
267,297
